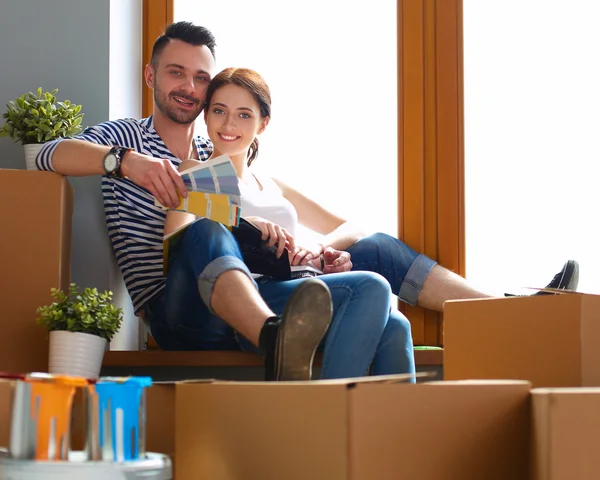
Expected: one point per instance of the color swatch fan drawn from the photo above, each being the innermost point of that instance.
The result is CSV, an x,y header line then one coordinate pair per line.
x,y
213,191
213,176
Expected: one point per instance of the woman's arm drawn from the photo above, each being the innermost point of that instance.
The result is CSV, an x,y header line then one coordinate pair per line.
x,y
176,219
339,233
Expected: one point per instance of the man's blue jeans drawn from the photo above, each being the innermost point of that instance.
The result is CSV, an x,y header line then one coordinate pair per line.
x,y
365,330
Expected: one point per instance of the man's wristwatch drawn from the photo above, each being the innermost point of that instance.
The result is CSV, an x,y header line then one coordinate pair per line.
x,y
112,161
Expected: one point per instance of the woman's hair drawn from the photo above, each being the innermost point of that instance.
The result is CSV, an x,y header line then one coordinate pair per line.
x,y
253,83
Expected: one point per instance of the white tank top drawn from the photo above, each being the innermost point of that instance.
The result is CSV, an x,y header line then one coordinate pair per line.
x,y
268,203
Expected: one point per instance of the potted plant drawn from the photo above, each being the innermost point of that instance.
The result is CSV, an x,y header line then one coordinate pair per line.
x,y
80,325
36,118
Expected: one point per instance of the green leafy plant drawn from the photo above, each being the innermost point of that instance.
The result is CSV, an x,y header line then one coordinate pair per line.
x,y
39,118
87,312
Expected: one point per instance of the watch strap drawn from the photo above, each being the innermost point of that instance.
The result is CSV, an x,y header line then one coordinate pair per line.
x,y
119,152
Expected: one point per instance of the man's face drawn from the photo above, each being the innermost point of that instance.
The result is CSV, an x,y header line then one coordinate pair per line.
x,y
180,80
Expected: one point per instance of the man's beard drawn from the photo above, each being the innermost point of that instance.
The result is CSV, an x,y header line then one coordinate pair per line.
x,y
161,100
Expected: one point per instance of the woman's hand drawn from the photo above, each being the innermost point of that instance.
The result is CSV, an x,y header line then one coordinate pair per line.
x,y
275,234
334,261
303,255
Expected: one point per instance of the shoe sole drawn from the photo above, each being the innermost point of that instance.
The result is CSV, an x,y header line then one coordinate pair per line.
x,y
305,321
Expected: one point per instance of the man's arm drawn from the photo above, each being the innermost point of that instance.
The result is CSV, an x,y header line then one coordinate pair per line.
x,y
78,158
82,158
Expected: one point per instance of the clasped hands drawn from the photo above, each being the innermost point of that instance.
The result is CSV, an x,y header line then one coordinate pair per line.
x,y
334,261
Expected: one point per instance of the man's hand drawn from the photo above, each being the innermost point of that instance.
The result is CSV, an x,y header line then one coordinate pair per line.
x,y
336,261
158,176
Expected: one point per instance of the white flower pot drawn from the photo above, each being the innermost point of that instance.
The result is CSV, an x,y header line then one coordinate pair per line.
x,y
31,151
75,353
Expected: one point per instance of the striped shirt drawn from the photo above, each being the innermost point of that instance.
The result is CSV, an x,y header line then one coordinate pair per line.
x,y
135,224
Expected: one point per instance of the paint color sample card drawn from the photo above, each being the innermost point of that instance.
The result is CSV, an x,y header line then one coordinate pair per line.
x,y
213,191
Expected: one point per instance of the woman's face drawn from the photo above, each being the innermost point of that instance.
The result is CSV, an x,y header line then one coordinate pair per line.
x,y
233,120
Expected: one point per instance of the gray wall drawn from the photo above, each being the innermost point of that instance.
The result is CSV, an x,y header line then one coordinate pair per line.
x,y
66,44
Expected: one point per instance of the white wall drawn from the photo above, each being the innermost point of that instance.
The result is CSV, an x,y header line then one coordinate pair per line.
x,y
125,100
68,44
125,50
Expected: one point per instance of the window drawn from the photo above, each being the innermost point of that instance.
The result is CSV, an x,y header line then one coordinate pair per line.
x,y
532,157
332,70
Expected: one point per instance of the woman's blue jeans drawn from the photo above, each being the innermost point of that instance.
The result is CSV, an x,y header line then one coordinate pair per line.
x,y
365,331
403,268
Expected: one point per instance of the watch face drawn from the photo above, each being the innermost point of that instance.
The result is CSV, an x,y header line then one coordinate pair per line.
x,y
110,163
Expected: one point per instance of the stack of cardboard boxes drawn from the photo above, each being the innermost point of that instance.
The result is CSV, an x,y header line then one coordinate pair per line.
x,y
343,429
36,209
514,422
532,411
552,341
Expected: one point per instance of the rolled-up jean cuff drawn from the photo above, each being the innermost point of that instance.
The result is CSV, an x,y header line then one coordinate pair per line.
x,y
414,279
220,265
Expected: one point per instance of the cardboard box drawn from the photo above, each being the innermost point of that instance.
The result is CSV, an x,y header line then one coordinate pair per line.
x,y
346,430
36,210
6,396
549,340
160,419
566,433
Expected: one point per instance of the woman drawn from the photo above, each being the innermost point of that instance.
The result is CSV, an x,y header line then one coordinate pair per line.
x,y
237,111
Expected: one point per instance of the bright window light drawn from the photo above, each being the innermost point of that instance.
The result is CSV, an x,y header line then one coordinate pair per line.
x,y
332,70
532,97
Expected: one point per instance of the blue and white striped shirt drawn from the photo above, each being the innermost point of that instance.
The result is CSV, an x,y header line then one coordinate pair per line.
x,y
135,224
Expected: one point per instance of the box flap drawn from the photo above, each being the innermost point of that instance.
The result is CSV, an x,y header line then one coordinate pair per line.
x,y
381,379
553,290
479,382
188,380
566,391
191,380
350,381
